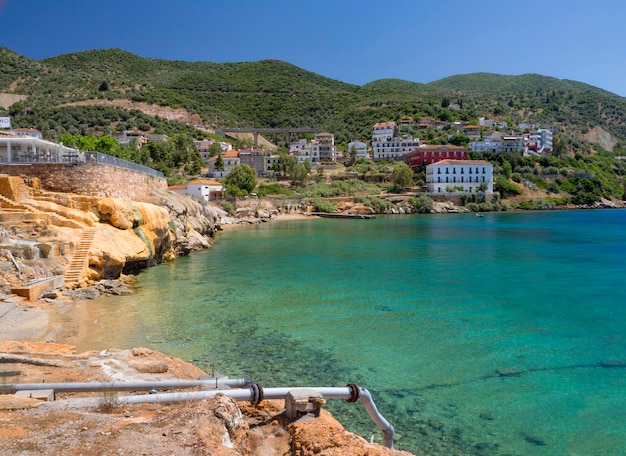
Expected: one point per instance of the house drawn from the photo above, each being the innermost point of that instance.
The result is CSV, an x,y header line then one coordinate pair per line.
x,y
255,159
303,149
384,131
230,159
488,145
30,132
473,131
394,148
204,146
434,153
360,147
324,146
459,176
129,136
513,143
199,188
271,163
158,138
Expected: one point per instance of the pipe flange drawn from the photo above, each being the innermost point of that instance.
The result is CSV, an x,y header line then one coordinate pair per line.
x,y
355,393
257,394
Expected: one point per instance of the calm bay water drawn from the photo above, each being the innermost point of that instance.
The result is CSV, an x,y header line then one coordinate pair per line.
x,y
421,310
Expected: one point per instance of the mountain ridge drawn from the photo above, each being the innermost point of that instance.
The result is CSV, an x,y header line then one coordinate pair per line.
x,y
274,93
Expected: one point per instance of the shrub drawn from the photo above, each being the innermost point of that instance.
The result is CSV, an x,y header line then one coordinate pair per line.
x,y
506,188
228,207
423,204
321,205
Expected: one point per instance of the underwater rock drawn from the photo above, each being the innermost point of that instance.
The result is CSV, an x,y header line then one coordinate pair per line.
x,y
509,372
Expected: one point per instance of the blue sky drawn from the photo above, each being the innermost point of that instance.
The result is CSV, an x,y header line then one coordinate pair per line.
x,y
352,41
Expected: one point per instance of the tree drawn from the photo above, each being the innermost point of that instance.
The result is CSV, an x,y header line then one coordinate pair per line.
x,y
219,162
241,181
558,146
402,176
215,149
352,153
296,172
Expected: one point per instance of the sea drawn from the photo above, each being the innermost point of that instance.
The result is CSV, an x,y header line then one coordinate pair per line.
x,y
498,335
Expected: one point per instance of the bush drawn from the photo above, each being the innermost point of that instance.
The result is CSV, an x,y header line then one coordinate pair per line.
x,y
506,188
274,189
228,207
423,204
321,205
379,205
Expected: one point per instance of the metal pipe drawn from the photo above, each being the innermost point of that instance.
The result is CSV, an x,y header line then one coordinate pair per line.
x,y
256,394
126,386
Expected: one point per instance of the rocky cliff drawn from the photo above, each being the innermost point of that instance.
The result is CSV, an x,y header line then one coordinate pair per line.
x,y
43,233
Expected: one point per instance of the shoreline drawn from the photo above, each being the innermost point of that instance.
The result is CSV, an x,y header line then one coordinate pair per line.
x,y
64,320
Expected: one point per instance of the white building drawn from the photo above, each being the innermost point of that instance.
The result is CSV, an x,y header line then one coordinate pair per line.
x,y
303,149
360,147
31,132
459,176
27,149
384,131
484,146
324,147
394,148
543,138
199,188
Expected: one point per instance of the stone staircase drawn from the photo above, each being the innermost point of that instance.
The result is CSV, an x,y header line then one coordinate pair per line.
x,y
75,268
9,206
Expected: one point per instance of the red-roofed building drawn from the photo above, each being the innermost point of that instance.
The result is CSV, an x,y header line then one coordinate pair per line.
x,y
384,131
206,189
230,158
434,153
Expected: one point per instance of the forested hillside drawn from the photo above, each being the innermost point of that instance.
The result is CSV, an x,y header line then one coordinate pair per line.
x,y
272,93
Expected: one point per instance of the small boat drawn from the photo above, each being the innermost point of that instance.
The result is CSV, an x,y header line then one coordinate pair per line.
x,y
478,214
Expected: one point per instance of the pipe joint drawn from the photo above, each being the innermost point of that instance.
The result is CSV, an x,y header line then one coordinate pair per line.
x,y
355,392
257,394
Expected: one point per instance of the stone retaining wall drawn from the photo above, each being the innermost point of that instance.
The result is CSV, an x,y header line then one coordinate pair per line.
x,y
89,179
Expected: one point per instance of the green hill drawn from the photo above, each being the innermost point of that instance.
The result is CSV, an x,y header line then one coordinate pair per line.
x,y
272,93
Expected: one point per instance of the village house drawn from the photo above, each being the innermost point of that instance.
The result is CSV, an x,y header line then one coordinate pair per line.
x,y
434,153
472,131
459,176
324,146
360,147
230,159
271,163
200,189
394,148
139,138
30,132
204,146
384,131
255,159
320,149
513,143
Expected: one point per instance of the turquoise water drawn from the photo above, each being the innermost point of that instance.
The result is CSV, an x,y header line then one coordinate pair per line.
x,y
421,310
